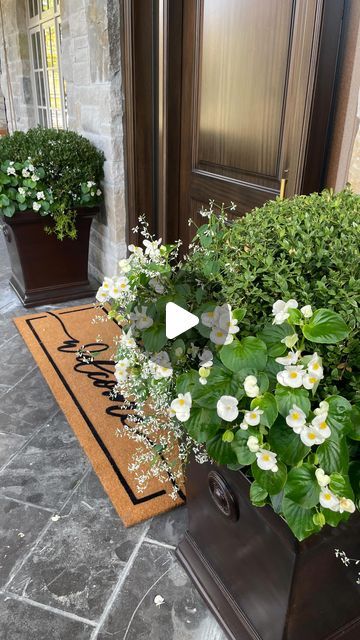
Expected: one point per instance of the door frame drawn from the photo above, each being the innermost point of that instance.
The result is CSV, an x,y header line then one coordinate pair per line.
x,y
151,69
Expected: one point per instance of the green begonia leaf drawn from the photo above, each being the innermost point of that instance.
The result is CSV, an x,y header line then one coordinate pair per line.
x,y
268,480
268,405
302,487
286,443
248,353
286,397
325,327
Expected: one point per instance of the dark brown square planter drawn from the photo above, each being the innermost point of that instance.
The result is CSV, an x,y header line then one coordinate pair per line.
x,y
44,269
259,581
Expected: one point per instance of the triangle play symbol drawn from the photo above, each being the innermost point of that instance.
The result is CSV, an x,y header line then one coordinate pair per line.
x,y
178,320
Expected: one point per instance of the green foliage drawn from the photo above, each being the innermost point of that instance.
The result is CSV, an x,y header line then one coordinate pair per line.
x,y
64,165
305,247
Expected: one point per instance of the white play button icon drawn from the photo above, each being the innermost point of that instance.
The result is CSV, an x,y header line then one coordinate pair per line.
x,y
178,320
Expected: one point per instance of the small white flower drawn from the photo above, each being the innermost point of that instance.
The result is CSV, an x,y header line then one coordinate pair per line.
x,y
181,406
315,367
36,206
25,173
118,287
98,192
329,500
102,294
152,248
22,191
227,408
35,178
310,436
291,358
253,417
307,311
218,336
31,167
40,195
203,381
121,370
291,377
244,426
266,460
156,285
206,358
159,600
90,184
136,251
296,419
11,171
160,365
127,340
310,381
322,478
280,310
253,444
323,409
345,504
124,265
140,318
322,426
251,387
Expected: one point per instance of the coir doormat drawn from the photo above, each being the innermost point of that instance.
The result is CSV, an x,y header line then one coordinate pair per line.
x,y
82,390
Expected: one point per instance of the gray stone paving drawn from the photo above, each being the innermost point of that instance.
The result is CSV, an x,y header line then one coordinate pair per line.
x,y
69,570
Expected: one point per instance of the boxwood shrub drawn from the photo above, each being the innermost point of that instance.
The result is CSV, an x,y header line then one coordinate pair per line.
x,y
305,247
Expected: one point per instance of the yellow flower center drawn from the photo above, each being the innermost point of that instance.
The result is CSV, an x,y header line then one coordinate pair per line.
x,y
123,285
266,457
312,380
219,334
116,290
293,375
312,436
316,366
181,402
105,285
323,425
253,416
295,416
327,496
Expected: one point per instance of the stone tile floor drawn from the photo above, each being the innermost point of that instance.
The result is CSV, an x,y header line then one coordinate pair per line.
x,y
69,570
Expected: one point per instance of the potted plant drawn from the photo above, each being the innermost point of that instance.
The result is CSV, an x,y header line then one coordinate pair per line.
x,y
49,193
263,398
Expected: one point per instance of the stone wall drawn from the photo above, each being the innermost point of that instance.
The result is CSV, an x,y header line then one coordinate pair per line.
x,y
92,71
91,67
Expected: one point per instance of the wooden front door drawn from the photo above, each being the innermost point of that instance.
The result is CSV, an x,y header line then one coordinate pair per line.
x,y
241,101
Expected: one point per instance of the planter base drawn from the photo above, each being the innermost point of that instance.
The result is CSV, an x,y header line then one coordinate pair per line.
x,y
52,295
258,580
217,598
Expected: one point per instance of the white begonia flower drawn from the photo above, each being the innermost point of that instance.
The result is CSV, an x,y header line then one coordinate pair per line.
x,y
291,358
218,336
118,287
320,424
26,173
253,444
290,341
31,167
136,251
35,178
280,310
321,477
107,284
121,370
307,311
345,504
98,192
225,321
36,206
310,436
40,195
227,408
291,377
252,417
267,460
156,285
329,500
124,265
203,380
152,248
296,419
310,381
102,294
209,318
90,184
140,318
22,191
181,406
160,365
251,387
315,367
323,409
127,340
206,358
11,171
244,426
